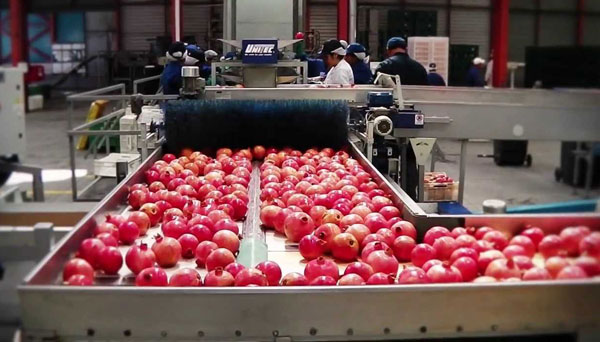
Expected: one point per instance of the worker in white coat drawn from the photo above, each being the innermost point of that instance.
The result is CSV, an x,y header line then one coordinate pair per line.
x,y
340,72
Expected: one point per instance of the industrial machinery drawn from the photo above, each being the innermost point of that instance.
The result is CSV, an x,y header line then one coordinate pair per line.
x,y
12,117
113,310
12,130
261,72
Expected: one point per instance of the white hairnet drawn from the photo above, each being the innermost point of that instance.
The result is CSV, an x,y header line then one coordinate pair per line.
x,y
478,60
210,54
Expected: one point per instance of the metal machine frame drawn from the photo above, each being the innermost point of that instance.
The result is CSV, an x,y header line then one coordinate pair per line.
x,y
52,311
280,64
305,313
465,113
84,129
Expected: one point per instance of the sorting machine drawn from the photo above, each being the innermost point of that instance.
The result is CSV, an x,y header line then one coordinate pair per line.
x,y
114,310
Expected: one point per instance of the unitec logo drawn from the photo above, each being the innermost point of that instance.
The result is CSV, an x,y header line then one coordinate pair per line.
x,y
259,49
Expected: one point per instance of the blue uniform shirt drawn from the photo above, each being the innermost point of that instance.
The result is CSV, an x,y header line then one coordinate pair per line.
x,y
362,73
171,78
315,67
435,79
474,77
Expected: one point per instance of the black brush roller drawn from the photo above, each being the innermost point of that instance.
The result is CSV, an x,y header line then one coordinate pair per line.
x,y
301,124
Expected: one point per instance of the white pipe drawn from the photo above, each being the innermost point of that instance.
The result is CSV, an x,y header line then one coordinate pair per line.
x,y
177,20
352,22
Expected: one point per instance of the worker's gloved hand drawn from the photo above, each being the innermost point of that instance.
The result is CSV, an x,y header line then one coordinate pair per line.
x,y
210,54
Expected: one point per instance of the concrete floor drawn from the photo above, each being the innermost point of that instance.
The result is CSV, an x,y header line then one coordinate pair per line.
x,y
47,147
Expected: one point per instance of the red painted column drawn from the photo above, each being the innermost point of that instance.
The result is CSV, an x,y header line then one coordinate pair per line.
x,y
579,31
176,17
500,19
52,25
18,31
343,13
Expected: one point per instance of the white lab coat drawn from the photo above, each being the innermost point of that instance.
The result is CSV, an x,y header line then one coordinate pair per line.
x,y
340,74
489,69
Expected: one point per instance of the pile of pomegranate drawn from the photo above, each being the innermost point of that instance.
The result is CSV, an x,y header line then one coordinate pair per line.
x,y
196,200
347,229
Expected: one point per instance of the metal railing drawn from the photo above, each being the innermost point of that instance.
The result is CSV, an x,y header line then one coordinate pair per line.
x,y
143,136
144,80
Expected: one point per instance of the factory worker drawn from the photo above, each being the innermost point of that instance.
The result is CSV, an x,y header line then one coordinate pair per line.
x,y
340,71
399,63
411,72
196,56
356,56
170,80
489,70
474,77
433,78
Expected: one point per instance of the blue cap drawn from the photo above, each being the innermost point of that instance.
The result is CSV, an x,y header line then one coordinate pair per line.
x,y
396,42
230,56
354,48
357,50
193,47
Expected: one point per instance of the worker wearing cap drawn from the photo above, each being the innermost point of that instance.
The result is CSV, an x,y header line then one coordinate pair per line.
x,y
340,71
399,63
196,56
411,72
170,80
474,77
433,78
356,56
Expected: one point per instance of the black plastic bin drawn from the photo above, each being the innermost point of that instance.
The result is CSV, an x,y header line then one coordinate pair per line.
x,y
566,171
511,153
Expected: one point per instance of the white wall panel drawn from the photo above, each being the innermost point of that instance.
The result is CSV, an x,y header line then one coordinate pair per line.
x,y
195,22
472,2
140,23
442,22
523,4
472,27
557,29
521,35
558,4
591,24
592,5
323,18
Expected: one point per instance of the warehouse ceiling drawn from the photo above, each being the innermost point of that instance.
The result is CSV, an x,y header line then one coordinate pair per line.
x,y
92,5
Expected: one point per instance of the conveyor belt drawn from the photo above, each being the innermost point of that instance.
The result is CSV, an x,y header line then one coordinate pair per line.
x,y
54,311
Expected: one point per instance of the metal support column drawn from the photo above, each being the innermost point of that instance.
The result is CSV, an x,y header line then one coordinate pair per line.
x,y
500,41
343,13
72,162
228,23
176,22
353,17
462,170
421,193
